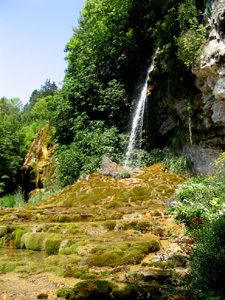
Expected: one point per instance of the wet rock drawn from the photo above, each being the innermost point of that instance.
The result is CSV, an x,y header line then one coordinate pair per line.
x,y
109,168
168,125
202,157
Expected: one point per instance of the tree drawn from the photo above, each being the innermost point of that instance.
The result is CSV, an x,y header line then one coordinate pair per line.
x,y
12,151
48,89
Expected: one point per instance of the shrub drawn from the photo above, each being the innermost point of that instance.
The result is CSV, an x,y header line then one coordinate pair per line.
x,y
199,199
208,259
190,43
8,201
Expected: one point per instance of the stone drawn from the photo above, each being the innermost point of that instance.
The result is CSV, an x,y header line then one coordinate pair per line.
x,y
109,168
168,125
202,158
218,115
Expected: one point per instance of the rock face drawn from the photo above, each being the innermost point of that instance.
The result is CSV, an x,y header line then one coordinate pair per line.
x,y
210,72
37,161
201,135
210,66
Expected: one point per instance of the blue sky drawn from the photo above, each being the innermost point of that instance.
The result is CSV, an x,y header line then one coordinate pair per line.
x,y
33,35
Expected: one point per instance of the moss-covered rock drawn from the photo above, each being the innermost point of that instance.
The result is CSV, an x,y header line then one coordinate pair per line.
x,y
52,244
126,253
3,231
18,233
94,289
33,241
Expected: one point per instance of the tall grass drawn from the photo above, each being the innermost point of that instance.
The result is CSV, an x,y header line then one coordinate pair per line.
x,y
17,199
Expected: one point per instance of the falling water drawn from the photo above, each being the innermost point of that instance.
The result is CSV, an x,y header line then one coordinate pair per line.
x,y
137,123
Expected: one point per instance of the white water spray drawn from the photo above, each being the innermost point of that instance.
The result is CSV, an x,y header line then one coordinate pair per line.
x,y
137,123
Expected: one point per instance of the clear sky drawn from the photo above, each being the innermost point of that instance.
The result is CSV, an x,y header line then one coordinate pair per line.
x,y
33,35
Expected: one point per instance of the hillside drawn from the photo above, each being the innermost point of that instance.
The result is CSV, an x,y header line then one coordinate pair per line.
x,y
100,228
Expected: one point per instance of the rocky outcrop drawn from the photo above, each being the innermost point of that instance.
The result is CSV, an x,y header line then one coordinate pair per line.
x,y
109,168
36,165
210,73
197,131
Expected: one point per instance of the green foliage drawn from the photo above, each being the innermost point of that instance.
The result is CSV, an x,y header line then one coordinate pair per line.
x,y
201,198
190,43
176,164
11,149
7,201
48,89
102,71
13,200
208,259
11,266
179,21
85,154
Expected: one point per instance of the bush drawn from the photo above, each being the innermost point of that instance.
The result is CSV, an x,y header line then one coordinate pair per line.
x,y
176,164
201,197
8,201
84,155
208,259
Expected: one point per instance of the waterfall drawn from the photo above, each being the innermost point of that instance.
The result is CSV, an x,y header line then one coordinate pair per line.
x,y
137,123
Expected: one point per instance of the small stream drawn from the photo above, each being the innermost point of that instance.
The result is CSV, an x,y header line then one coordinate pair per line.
x,y
11,259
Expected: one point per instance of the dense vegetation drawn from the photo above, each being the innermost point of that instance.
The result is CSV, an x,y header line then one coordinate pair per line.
x,y
18,126
107,57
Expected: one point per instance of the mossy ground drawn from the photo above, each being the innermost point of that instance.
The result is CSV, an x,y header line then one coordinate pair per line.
x,y
100,228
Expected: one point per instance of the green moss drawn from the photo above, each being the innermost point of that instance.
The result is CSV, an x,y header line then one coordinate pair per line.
x,y
66,293
94,289
61,260
110,225
87,276
125,253
65,251
76,218
75,272
52,246
33,241
156,213
112,259
3,230
41,217
18,233
63,218
10,266
71,249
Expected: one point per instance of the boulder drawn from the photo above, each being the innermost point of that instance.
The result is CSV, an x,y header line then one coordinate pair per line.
x,y
110,168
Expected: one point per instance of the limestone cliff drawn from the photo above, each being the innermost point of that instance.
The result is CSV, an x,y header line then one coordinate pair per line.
x,y
205,127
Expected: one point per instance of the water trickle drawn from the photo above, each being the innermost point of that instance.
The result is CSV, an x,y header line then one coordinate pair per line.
x,y
137,123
